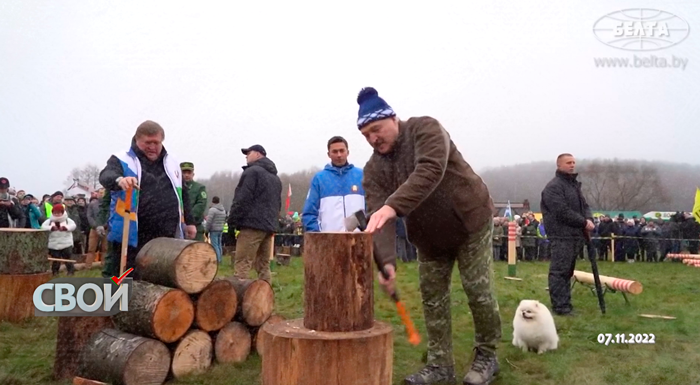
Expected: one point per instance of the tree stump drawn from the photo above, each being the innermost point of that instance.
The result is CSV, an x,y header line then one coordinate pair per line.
x,y
24,251
193,354
232,343
72,335
259,335
157,312
17,295
121,358
187,265
215,306
339,286
256,300
295,355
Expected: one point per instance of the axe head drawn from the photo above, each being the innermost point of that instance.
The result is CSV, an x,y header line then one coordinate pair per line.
x,y
357,220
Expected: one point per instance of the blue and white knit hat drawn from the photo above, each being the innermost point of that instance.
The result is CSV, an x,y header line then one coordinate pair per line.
x,y
372,107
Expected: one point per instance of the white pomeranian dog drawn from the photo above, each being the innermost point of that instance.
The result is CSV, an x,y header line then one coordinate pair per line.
x,y
533,327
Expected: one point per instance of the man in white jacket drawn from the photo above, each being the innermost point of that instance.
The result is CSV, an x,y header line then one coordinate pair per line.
x,y
60,238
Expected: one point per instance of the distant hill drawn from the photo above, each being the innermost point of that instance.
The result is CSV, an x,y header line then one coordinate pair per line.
x,y
609,184
625,185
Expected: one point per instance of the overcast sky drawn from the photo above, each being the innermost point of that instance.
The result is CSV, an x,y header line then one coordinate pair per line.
x,y
512,82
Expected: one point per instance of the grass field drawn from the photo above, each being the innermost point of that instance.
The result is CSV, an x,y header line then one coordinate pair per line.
x,y
27,350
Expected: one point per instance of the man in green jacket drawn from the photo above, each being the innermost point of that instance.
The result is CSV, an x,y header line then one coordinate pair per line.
x,y
198,197
416,172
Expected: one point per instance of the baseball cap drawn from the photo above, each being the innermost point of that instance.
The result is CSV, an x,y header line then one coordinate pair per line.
x,y
4,183
255,147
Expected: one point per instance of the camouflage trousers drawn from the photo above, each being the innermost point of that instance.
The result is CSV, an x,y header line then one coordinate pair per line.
x,y
474,260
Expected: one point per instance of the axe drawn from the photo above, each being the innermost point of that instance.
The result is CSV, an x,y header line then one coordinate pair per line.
x,y
359,220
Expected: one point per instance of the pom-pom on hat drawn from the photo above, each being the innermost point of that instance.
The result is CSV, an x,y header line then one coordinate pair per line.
x,y
372,107
58,209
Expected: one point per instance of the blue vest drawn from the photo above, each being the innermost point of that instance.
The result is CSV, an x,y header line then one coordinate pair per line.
x,y
132,168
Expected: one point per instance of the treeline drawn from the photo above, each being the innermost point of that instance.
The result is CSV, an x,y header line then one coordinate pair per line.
x,y
609,184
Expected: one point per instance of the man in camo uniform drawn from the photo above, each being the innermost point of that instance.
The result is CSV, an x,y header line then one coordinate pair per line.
x,y
416,172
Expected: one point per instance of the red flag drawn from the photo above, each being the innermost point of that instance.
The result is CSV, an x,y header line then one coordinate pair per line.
x,y
289,195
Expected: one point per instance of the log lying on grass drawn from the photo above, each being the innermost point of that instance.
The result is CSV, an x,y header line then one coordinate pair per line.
x,y
121,358
620,284
72,335
259,335
256,300
187,265
80,266
193,354
215,306
156,311
232,343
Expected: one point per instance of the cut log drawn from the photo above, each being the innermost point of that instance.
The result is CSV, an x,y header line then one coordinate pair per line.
x,y
193,354
121,358
232,343
297,355
187,265
23,251
80,266
72,335
256,300
339,286
17,295
155,311
259,335
215,306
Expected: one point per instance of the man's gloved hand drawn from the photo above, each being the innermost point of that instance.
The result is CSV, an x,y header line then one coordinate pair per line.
x,y
100,231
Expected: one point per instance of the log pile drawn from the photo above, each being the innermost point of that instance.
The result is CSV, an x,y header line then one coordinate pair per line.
x,y
181,319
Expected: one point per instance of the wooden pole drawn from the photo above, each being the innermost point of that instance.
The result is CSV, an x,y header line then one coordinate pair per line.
x,y
612,247
337,342
125,230
512,253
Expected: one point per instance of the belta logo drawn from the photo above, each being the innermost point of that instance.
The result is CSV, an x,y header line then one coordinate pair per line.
x,y
641,29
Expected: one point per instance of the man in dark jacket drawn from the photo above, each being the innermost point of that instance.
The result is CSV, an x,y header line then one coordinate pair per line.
x,y
568,217
256,205
418,174
10,209
159,206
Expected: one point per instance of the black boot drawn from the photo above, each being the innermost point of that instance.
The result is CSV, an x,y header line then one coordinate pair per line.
x,y
433,375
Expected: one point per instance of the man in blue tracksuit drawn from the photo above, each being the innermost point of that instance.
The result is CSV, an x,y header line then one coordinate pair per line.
x,y
335,193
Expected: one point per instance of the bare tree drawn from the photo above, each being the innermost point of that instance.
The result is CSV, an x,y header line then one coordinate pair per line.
x,y
89,175
623,185
223,184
